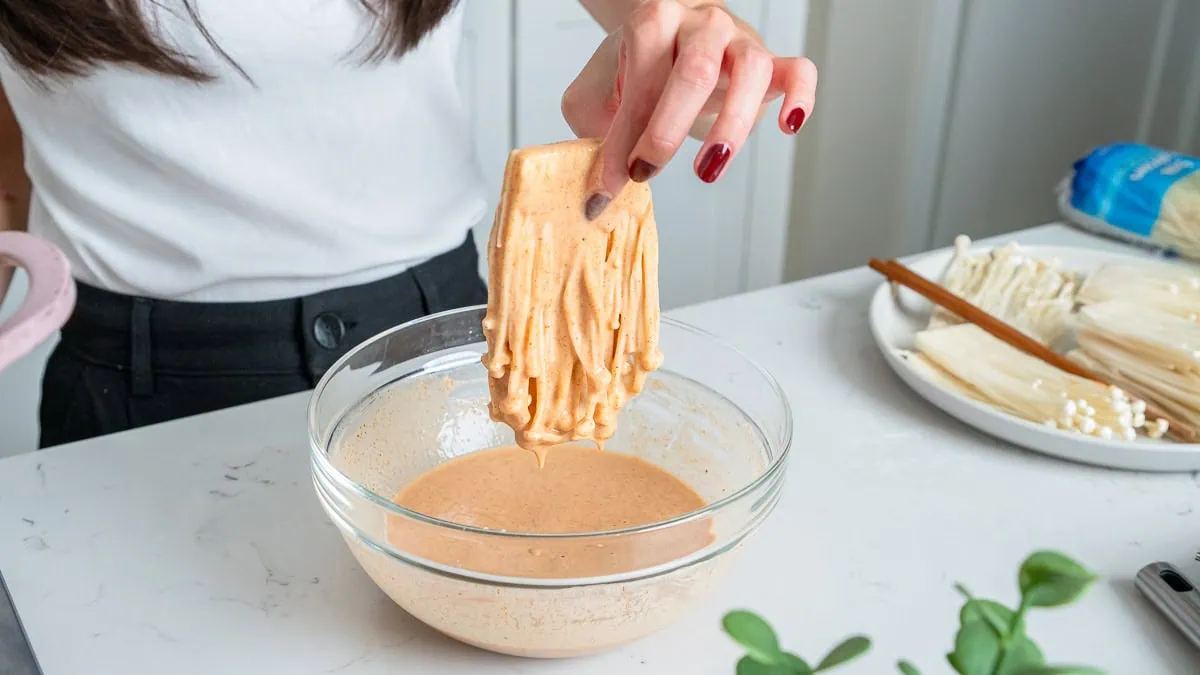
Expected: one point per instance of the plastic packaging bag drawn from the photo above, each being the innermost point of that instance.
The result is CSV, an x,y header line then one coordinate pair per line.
x,y
1139,194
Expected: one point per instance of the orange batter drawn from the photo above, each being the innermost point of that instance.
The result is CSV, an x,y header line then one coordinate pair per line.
x,y
578,490
572,316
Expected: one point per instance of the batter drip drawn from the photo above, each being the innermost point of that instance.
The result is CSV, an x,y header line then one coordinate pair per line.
x,y
572,316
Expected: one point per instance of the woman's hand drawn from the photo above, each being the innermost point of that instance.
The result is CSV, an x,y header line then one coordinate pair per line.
x,y
674,69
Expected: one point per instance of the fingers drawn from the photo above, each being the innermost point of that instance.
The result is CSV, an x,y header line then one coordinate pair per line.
x,y
649,43
796,77
676,66
749,78
756,77
701,47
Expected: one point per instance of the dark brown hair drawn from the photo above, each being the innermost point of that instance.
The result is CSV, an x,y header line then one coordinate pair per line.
x,y
49,38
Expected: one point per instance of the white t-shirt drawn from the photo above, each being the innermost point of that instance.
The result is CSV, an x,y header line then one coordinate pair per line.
x,y
322,172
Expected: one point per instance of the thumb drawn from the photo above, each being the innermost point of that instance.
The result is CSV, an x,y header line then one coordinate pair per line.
x,y
599,194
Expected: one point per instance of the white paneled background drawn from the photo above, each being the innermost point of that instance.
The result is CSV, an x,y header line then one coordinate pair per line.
x,y
1040,83
941,117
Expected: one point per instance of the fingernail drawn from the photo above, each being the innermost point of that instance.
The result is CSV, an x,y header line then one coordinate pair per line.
x,y
795,119
595,205
641,171
713,162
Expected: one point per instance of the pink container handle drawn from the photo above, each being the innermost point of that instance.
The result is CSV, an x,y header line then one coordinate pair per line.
x,y
50,300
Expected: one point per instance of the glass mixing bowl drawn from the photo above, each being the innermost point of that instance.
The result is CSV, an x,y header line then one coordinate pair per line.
x,y
416,396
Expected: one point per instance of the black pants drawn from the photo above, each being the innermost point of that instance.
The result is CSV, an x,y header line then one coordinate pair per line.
x,y
125,362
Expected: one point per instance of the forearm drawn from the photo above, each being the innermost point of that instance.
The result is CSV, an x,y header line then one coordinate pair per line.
x,y
610,14
14,184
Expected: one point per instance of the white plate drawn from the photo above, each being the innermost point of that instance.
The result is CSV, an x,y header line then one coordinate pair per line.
x,y
895,322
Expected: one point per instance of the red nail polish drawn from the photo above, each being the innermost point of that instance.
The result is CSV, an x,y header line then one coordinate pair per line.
x,y
714,162
795,120
641,171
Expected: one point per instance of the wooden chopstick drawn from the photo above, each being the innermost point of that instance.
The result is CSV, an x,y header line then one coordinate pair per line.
x,y
897,272
938,295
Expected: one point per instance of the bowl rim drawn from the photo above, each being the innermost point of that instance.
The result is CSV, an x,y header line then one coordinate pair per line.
x,y
326,467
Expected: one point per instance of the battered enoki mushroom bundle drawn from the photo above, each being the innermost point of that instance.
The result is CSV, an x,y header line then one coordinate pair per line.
x,y
572,321
1173,289
1034,296
967,359
1144,350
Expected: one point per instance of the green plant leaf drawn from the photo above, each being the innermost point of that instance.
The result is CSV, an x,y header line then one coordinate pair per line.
x,y
1050,579
848,650
991,612
1061,670
754,634
976,649
1020,654
907,668
797,665
748,666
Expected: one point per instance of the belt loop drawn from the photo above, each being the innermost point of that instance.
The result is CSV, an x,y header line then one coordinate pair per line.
x,y
141,373
427,288
444,268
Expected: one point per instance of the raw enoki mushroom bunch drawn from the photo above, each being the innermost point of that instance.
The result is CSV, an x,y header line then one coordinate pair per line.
x,y
1174,289
1145,350
967,359
1034,296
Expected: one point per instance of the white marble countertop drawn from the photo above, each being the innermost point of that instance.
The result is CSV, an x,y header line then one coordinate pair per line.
x,y
198,546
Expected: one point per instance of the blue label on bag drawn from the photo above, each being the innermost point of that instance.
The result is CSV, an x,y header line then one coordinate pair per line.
x,y
1124,184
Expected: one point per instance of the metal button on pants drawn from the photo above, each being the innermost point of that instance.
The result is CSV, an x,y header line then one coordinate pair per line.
x,y
328,329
